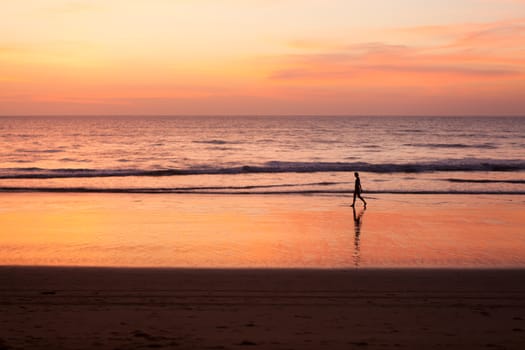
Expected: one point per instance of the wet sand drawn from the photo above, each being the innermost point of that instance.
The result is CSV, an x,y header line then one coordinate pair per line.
x,y
141,230
110,308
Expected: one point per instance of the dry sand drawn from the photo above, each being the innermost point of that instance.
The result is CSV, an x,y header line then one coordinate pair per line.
x,y
109,308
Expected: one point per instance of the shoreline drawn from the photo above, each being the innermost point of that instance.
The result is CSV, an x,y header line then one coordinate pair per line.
x,y
174,191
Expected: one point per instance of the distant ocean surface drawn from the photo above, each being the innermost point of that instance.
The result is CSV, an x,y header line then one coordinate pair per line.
x,y
261,155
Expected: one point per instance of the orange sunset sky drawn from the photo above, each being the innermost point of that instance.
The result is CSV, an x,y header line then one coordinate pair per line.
x,y
402,57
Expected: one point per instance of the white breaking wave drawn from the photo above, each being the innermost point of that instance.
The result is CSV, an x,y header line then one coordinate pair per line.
x,y
448,165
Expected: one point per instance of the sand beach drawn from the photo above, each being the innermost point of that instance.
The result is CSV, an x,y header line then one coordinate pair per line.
x,y
109,271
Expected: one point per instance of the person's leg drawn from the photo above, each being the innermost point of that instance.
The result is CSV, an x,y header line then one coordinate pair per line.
x,y
353,203
361,198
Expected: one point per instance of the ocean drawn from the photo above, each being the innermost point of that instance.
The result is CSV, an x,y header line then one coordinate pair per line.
x,y
262,155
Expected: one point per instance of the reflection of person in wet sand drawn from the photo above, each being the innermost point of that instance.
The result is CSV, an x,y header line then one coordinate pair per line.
x,y
358,189
357,237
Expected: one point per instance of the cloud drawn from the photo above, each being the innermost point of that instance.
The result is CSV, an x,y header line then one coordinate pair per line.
x,y
472,52
350,71
507,33
502,35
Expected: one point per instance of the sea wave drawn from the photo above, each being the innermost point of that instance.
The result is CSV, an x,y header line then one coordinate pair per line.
x,y
247,190
22,150
452,145
447,165
216,142
486,181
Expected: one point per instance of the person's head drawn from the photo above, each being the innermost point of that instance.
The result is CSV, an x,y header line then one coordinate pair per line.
x,y
356,174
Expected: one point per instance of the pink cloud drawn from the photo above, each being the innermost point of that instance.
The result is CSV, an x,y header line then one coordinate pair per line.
x,y
484,51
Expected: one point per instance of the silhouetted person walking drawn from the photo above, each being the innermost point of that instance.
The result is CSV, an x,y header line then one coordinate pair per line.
x,y
358,189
